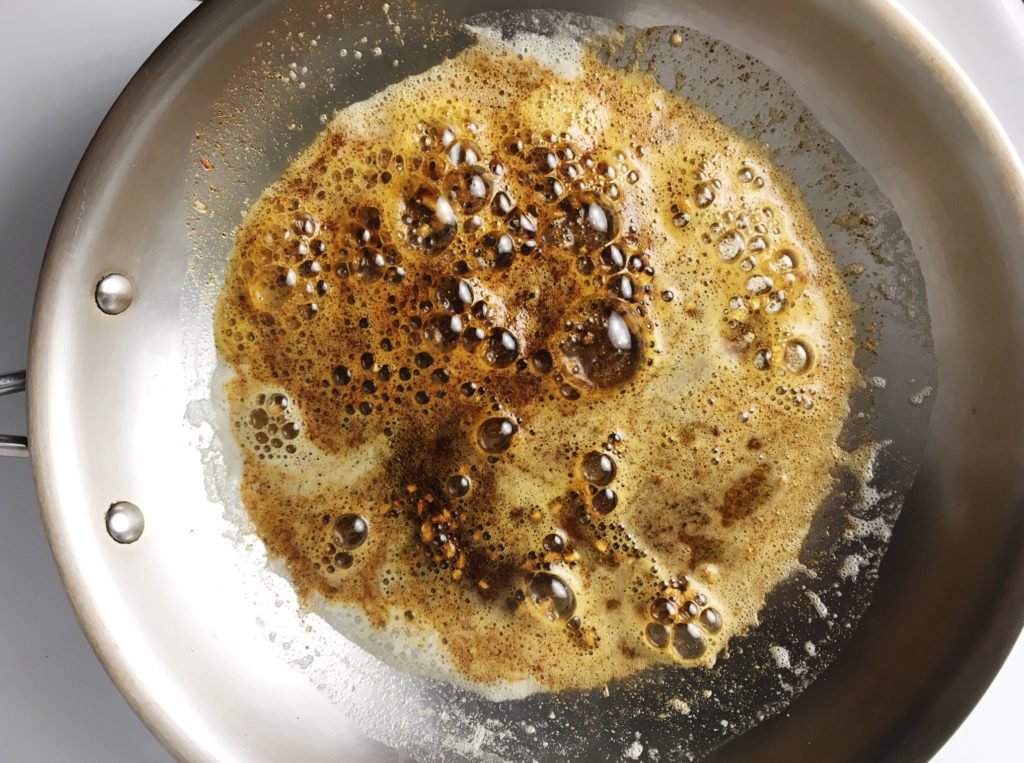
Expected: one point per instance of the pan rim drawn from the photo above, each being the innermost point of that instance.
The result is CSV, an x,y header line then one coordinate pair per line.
x,y
962,689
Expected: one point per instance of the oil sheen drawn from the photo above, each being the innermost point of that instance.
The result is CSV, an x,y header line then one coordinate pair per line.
x,y
544,367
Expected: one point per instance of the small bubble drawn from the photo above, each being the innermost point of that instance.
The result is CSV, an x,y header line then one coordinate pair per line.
x,y
590,221
745,175
542,361
763,359
431,222
350,531
552,596
343,560
501,204
776,302
554,543
259,418
730,245
306,224
423,360
604,501
598,468
612,258
479,310
277,404
495,435
502,348
759,284
704,195
711,620
469,188
605,347
522,222
504,249
664,610
551,189
290,430
622,287
688,641
668,296
796,357
472,337
454,294
458,485
443,331
543,160
569,392
422,397
657,634
464,152
784,262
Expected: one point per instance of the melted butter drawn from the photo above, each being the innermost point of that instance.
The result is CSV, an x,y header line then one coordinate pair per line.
x,y
548,370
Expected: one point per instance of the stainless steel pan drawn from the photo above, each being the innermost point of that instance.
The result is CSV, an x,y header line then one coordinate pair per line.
x,y
212,655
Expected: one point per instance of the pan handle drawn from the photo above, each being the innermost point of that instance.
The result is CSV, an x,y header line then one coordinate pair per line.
x,y
13,445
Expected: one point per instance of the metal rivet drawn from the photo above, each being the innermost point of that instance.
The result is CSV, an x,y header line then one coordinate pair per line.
x,y
114,294
125,522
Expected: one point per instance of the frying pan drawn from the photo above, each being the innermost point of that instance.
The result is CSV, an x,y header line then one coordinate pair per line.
x,y
211,655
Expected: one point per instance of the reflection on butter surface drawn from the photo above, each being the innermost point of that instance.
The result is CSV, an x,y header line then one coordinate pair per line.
x,y
546,367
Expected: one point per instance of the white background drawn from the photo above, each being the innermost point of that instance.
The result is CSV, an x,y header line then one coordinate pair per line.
x,y
63,63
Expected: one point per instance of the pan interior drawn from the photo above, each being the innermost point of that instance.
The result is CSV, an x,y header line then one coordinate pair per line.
x,y
204,635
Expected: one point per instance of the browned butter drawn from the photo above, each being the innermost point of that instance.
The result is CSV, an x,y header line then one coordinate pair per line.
x,y
545,370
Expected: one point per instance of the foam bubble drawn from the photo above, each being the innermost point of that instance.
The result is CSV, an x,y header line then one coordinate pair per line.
x,y
561,55
781,657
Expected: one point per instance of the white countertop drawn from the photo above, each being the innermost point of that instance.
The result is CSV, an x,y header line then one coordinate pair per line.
x,y
64,63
